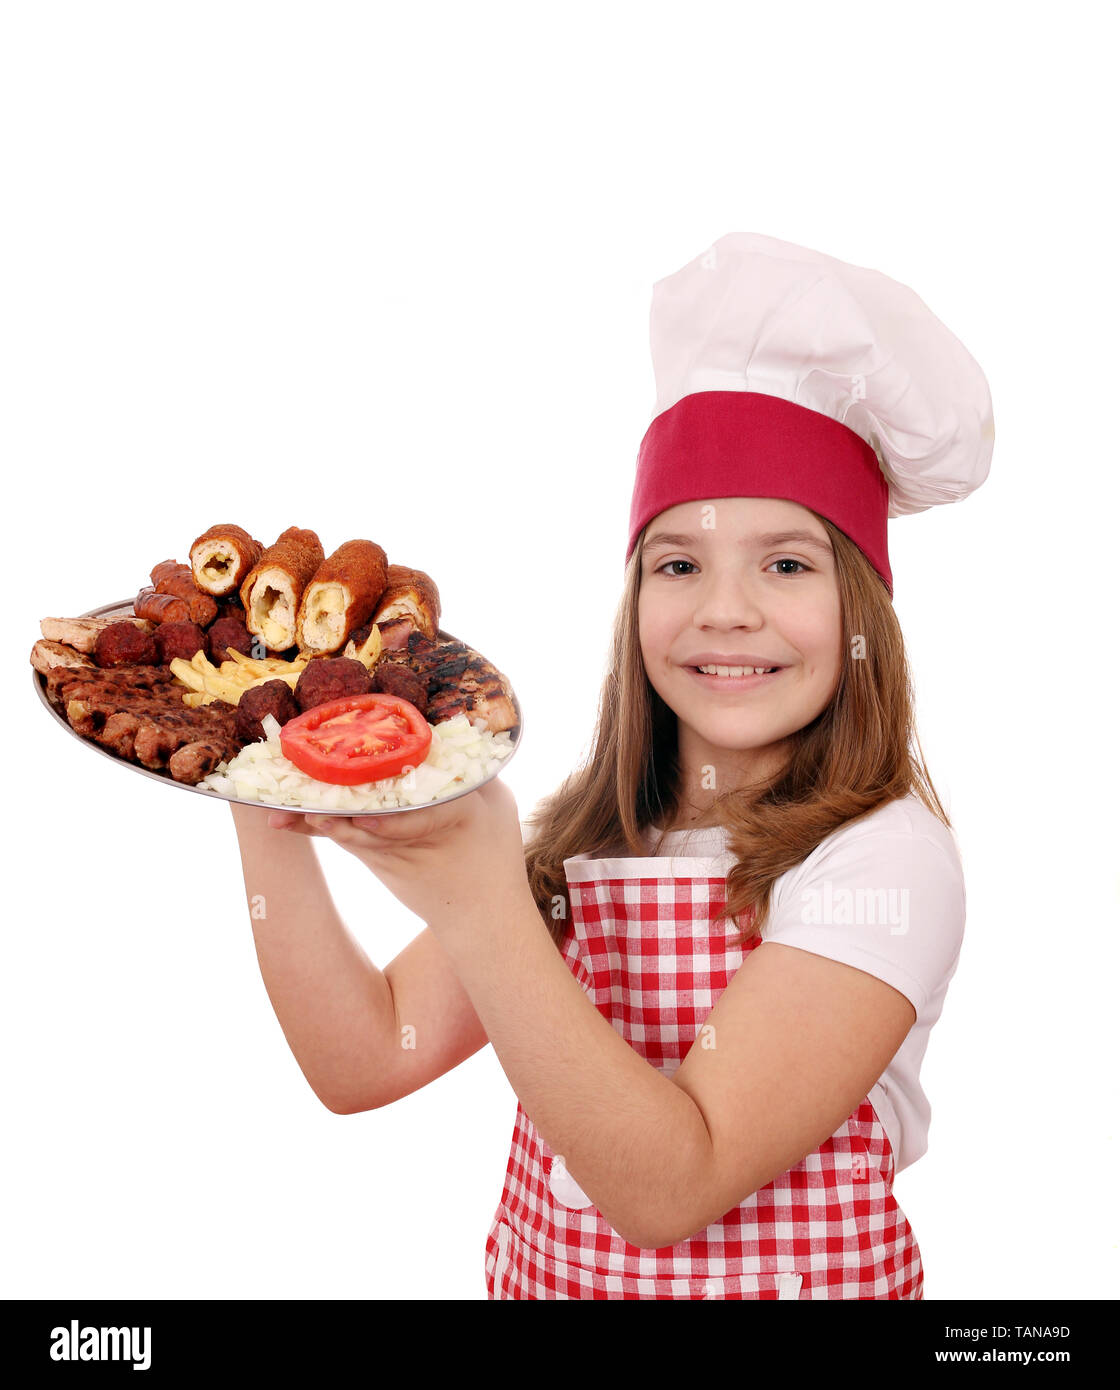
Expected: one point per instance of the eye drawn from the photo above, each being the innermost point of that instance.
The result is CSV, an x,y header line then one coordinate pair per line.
x,y
662,566
803,567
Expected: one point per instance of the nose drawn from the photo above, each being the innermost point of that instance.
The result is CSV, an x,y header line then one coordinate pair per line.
x,y
725,599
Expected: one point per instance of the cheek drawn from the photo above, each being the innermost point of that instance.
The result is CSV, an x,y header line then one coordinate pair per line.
x,y
651,631
821,642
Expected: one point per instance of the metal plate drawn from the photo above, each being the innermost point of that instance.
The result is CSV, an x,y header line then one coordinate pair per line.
x,y
123,608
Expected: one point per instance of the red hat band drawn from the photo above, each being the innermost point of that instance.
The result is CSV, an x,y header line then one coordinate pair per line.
x,y
747,444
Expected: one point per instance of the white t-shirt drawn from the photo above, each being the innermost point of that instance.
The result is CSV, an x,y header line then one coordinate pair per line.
x,y
886,895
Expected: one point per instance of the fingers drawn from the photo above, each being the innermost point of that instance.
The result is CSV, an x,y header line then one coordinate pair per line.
x,y
417,824
297,824
334,827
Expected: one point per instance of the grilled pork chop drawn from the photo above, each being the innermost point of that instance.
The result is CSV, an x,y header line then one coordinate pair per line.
x,y
460,681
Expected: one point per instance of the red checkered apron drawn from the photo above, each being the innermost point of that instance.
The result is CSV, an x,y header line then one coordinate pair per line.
x,y
648,951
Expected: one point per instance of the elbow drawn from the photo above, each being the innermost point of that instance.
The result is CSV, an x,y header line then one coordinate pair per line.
x,y
349,1106
654,1236
338,1108
662,1237
698,1206
687,1209
645,1229
685,1225
657,1230
645,1240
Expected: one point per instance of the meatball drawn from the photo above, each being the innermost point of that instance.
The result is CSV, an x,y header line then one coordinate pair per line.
x,y
330,678
179,639
228,632
273,697
125,644
395,678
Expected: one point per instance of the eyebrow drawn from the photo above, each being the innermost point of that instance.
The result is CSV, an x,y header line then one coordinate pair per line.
x,y
768,538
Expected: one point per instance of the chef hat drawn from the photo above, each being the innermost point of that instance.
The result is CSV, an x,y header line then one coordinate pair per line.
x,y
783,372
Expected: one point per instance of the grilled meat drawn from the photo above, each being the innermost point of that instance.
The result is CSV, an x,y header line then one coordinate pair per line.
x,y
139,678
194,761
138,713
170,577
161,608
46,654
81,633
459,681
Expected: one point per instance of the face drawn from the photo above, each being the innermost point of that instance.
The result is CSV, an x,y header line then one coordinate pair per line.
x,y
724,584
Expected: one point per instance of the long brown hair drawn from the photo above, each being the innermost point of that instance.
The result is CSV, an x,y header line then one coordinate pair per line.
x,y
861,752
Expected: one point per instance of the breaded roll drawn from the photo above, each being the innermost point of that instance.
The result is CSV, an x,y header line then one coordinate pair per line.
x,y
222,557
342,594
411,594
272,590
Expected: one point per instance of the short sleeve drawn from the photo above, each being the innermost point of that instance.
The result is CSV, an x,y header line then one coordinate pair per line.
x,y
890,902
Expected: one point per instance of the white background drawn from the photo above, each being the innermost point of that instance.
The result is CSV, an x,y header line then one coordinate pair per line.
x,y
386,271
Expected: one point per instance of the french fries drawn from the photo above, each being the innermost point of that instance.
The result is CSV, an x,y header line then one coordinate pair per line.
x,y
207,682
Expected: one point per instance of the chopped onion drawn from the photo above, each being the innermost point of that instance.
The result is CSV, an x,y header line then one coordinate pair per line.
x,y
461,755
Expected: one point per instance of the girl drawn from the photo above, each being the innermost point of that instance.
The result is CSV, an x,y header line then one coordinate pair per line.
x,y
711,972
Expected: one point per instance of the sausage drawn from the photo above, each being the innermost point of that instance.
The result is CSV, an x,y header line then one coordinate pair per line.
x,y
170,577
194,761
161,608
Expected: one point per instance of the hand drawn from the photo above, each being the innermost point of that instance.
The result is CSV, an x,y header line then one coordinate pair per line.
x,y
434,858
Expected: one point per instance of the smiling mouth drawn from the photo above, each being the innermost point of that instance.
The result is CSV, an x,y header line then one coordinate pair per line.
x,y
736,670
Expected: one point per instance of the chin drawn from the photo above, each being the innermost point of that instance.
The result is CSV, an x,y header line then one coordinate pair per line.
x,y
734,735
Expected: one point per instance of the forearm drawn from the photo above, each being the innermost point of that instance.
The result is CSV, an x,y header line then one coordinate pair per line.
x,y
630,1138
334,1005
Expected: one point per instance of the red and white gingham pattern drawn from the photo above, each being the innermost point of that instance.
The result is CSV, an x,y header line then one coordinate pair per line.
x,y
654,962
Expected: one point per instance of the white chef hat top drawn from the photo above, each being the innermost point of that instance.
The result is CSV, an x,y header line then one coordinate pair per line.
x,y
756,315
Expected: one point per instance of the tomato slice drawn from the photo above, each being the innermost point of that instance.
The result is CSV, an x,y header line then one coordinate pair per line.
x,y
360,738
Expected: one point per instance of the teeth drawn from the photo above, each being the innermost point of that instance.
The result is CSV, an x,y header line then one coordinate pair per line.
x,y
736,670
